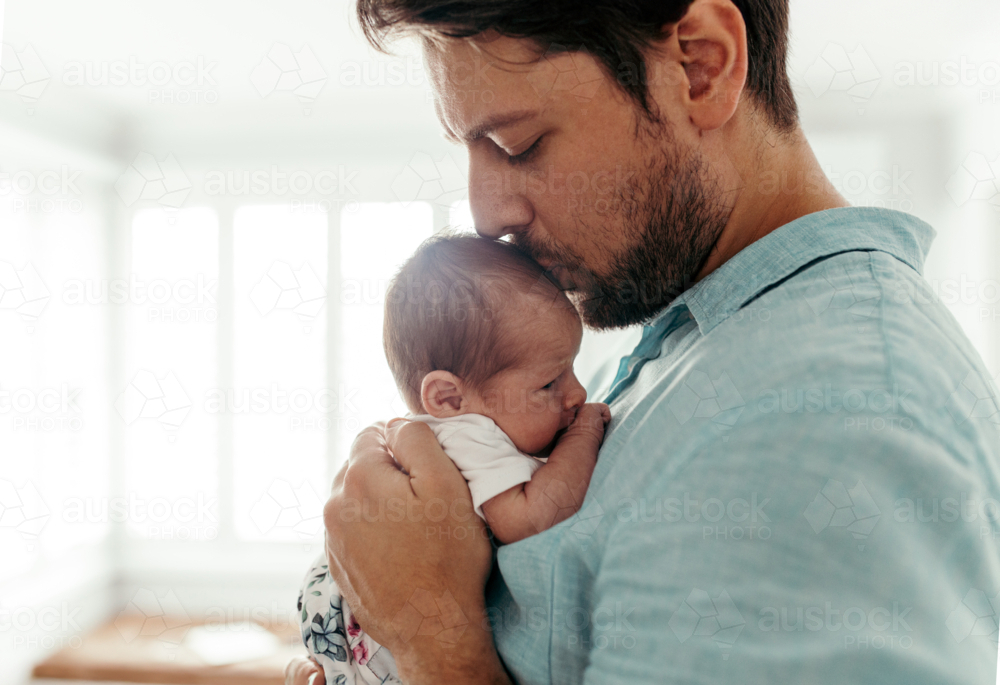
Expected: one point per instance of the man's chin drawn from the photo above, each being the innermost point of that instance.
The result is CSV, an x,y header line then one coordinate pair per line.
x,y
598,313
591,307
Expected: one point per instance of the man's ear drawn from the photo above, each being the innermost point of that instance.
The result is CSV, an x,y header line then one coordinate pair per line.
x,y
712,43
442,394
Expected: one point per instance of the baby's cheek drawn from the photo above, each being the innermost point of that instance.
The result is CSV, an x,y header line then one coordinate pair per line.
x,y
556,402
536,432
548,426
539,402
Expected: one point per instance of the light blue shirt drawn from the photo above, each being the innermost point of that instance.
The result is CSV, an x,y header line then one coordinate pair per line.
x,y
799,485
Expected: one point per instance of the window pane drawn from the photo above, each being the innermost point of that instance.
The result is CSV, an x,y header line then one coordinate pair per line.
x,y
170,439
375,240
280,402
53,401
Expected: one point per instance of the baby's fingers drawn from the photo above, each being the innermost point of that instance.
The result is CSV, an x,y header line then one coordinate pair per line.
x,y
590,418
596,413
605,412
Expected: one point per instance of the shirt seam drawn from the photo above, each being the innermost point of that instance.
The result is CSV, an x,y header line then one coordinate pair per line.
x,y
890,368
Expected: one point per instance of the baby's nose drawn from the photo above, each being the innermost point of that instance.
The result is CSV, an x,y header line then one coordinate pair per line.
x,y
575,397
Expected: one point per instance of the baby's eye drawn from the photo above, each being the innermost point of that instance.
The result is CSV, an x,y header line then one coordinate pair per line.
x,y
549,385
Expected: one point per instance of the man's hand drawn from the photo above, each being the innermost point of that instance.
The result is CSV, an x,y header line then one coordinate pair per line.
x,y
411,557
303,671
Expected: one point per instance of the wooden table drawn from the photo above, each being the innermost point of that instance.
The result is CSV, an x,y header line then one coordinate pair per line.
x,y
105,654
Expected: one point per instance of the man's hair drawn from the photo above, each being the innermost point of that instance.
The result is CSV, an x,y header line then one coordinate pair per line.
x,y
615,31
451,307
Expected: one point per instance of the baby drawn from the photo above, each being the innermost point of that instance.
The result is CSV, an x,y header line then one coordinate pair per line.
x,y
481,344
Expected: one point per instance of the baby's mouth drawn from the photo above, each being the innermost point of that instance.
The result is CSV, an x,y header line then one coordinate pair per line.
x,y
566,420
547,450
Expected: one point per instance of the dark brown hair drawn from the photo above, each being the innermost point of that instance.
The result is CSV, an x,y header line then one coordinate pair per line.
x,y
615,31
450,308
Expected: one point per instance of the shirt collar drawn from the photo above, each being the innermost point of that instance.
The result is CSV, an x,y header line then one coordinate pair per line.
x,y
791,247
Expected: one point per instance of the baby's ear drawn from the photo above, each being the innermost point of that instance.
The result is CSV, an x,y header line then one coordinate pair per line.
x,y
441,394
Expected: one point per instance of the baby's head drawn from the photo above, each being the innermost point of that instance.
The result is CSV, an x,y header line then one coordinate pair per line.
x,y
474,326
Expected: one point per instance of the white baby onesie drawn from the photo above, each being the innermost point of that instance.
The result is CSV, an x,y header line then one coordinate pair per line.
x,y
487,458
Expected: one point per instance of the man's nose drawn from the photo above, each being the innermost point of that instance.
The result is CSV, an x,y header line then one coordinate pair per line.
x,y
498,209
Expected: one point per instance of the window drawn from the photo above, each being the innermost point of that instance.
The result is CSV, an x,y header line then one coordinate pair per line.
x,y
53,398
170,366
279,402
237,401
374,242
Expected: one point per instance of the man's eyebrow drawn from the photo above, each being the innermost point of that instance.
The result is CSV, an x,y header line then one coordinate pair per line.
x,y
492,124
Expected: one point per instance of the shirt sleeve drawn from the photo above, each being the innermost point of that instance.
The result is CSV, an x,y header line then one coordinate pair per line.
x,y
488,460
712,573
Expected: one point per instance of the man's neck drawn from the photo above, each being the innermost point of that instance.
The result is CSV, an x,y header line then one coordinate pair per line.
x,y
781,181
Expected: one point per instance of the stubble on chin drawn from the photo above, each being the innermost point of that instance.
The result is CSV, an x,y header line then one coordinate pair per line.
x,y
667,222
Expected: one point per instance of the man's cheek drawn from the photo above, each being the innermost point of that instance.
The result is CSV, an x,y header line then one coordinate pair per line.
x,y
536,183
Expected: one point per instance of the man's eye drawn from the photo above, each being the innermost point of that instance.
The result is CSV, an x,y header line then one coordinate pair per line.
x,y
525,156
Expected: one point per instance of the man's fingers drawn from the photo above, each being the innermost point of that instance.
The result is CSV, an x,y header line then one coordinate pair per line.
x,y
303,671
369,463
369,469
417,450
368,438
338,573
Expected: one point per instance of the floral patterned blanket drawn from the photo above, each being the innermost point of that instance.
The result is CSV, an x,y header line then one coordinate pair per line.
x,y
334,639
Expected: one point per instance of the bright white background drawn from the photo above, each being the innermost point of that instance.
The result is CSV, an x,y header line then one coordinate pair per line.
x,y
205,355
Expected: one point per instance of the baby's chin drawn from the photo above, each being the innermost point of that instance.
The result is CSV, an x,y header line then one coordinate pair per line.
x,y
547,450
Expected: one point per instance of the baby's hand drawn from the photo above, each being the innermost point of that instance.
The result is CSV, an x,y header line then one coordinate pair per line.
x,y
591,420
557,489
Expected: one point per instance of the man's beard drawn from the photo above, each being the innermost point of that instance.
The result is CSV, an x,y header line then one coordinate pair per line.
x,y
670,218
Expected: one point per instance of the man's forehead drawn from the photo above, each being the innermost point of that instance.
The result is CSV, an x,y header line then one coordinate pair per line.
x,y
481,88
501,53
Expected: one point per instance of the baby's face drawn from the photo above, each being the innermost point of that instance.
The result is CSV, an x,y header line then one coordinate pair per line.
x,y
535,400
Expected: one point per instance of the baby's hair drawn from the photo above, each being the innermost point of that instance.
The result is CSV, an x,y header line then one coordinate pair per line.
x,y
450,307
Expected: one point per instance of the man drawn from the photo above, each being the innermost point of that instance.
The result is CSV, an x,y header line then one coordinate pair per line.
x,y
800,479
